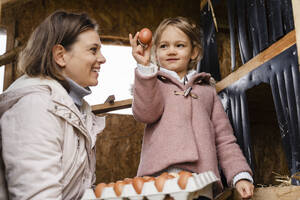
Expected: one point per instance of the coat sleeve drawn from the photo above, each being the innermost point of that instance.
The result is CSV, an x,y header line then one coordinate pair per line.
x,y
230,156
148,104
32,150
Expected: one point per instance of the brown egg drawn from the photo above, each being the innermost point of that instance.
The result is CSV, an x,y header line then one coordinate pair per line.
x,y
128,180
169,176
183,179
99,188
111,184
118,187
148,178
160,181
145,36
138,184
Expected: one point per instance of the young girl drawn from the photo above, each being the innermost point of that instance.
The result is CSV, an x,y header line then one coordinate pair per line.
x,y
186,126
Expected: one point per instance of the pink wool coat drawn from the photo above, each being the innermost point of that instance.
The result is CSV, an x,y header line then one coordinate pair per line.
x,y
190,132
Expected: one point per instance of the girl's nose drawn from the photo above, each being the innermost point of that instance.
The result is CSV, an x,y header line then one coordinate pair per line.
x,y
171,50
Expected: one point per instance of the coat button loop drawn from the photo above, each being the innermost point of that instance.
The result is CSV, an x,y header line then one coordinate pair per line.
x,y
187,91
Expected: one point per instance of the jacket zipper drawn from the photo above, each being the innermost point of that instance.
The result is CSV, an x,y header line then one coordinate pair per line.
x,y
68,175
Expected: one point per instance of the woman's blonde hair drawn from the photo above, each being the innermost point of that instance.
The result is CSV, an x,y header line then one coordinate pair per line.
x,y
189,28
62,28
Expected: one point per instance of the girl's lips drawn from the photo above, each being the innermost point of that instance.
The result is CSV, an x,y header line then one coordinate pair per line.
x,y
172,59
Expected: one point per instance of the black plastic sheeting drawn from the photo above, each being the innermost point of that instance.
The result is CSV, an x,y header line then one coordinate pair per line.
x,y
257,24
282,74
210,61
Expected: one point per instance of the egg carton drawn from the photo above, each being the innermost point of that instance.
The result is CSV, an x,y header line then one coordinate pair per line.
x,y
171,187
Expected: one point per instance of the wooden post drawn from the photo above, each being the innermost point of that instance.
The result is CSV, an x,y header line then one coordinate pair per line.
x,y
0,10
296,13
9,73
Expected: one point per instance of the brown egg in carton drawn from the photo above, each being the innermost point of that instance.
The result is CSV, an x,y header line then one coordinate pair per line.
x,y
179,186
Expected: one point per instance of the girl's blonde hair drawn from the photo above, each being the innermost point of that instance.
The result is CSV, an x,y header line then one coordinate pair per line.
x,y
189,28
62,28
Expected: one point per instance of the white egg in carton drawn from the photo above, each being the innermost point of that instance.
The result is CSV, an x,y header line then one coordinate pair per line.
x,y
156,190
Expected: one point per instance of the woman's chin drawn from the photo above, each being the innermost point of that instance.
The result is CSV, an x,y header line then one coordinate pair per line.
x,y
94,83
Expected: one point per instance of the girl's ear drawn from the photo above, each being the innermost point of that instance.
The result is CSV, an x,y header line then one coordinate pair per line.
x,y
195,53
58,52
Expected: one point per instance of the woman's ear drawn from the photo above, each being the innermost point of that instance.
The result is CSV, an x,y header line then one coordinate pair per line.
x,y
58,52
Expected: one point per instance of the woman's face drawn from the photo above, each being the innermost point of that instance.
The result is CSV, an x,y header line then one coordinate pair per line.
x,y
174,50
84,59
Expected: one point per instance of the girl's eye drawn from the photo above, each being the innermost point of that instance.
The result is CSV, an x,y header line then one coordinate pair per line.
x,y
162,46
180,45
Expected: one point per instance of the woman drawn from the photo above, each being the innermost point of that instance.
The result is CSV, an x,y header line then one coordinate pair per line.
x,y
48,131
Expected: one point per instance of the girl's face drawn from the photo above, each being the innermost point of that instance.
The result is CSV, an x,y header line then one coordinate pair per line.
x,y
84,59
174,50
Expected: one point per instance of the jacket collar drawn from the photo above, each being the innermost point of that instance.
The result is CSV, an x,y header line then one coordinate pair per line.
x,y
193,78
183,80
77,92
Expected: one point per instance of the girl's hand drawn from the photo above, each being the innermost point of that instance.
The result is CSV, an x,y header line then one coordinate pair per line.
x,y
140,54
245,189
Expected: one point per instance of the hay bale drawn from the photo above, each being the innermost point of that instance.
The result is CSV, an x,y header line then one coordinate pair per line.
x,y
274,193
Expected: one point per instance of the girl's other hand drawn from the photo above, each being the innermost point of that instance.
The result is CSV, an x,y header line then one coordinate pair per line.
x,y
245,189
140,54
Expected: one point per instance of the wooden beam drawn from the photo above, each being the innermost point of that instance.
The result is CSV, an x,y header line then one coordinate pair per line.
x,y
106,107
7,4
296,14
275,49
114,40
9,56
3,2
7,1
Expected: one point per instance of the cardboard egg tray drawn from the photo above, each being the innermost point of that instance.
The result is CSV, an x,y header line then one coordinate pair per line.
x,y
171,187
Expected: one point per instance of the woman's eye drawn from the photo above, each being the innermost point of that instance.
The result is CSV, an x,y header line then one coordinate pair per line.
x,y
93,50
